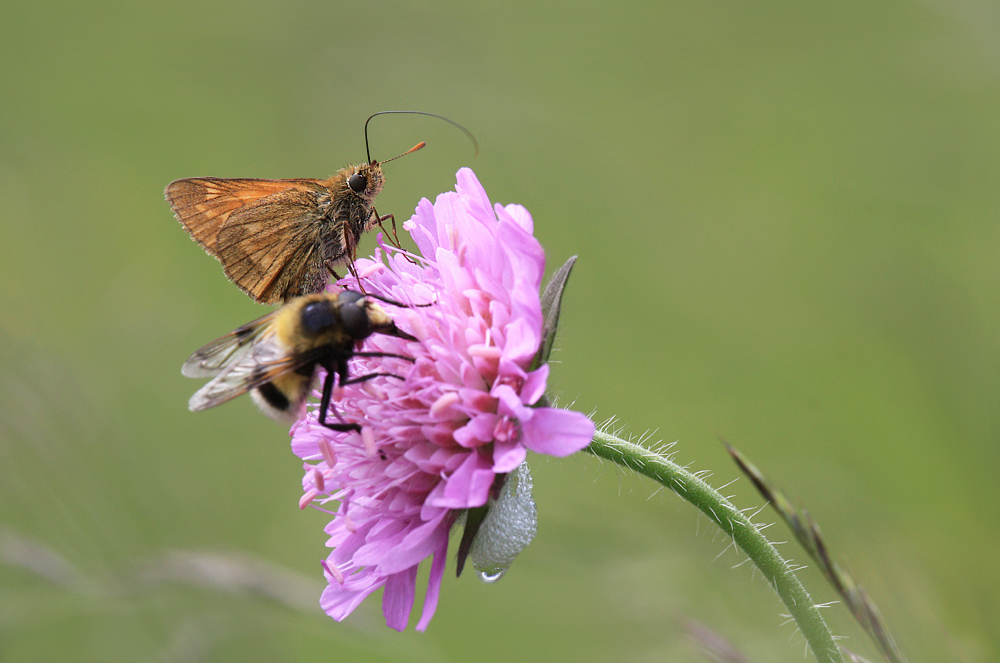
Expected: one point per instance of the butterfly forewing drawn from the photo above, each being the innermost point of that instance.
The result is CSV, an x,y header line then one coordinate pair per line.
x,y
204,204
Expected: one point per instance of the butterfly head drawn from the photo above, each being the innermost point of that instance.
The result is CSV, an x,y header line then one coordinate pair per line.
x,y
366,181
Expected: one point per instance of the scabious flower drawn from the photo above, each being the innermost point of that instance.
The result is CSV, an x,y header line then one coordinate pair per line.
x,y
440,431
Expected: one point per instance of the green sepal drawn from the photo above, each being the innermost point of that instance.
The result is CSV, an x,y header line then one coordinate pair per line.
x,y
473,521
551,301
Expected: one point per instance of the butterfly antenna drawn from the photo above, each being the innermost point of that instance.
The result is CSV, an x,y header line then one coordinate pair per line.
x,y
419,146
468,133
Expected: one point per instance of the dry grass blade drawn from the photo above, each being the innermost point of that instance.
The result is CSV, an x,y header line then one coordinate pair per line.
x,y
855,658
717,648
809,536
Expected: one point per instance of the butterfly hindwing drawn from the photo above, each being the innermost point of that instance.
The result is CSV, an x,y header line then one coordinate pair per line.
x,y
272,249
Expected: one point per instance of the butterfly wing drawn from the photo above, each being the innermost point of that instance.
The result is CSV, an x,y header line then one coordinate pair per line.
x,y
272,249
204,204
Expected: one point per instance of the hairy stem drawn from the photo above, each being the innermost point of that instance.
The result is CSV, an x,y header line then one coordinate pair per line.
x,y
735,524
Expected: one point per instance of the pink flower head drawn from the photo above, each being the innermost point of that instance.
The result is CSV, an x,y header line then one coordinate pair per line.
x,y
437,432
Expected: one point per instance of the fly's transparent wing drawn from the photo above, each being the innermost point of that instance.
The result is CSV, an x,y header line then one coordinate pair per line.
x,y
212,359
262,362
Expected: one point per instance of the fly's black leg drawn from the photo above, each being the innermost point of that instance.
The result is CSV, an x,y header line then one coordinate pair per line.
x,y
382,354
365,378
325,405
369,376
337,373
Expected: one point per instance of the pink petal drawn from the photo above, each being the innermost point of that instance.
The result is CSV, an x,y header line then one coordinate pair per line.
x,y
557,432
522,341
534,386
338,601
418,543
507,456
468,186
510,403
477,432
434,586
469,485
518,214
397,600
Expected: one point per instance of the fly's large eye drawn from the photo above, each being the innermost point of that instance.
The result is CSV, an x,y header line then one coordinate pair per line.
x,y
355,319
348,297
317,316
358,182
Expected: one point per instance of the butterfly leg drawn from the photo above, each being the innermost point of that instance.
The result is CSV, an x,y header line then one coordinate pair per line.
x,y
395,237
388,217
354,272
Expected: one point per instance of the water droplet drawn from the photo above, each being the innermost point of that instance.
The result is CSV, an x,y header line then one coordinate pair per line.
x,y
491,576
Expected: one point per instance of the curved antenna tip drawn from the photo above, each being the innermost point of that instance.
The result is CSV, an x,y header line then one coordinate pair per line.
x,y
468,133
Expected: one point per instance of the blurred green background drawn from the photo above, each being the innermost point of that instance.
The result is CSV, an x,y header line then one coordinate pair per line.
x,y
788,223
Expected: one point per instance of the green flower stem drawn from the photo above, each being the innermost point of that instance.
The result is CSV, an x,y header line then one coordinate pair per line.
x,y
733,523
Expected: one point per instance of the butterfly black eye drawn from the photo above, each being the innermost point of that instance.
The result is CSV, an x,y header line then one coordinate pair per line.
x,y
317,317
355,319
358,182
